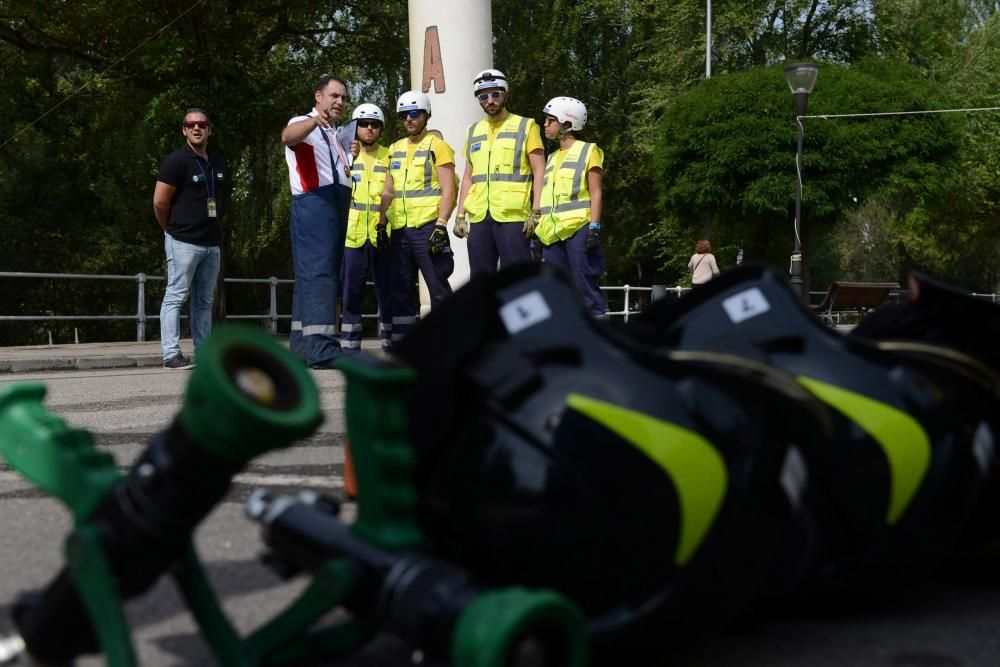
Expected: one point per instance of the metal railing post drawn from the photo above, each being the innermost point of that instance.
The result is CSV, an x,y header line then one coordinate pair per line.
x,y
140,326
628,306
273,281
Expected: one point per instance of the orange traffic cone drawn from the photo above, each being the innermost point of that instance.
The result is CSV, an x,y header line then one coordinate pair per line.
x,y
350,480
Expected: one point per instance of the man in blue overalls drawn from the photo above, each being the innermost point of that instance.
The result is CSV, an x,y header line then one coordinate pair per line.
x,y
319,173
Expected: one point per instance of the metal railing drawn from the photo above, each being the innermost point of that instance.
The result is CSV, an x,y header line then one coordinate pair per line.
x,y
141,316
628,292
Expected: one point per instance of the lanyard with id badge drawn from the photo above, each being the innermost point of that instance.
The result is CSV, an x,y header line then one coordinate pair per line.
x,y
339,138
213,209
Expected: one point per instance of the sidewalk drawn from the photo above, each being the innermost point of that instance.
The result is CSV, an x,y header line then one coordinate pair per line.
x,y
88,356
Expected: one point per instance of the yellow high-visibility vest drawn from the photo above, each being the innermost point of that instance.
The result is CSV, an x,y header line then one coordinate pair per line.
x,y
368,172
416,190
501,173
565,195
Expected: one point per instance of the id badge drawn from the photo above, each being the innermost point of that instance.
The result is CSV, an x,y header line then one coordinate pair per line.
x,y
213,212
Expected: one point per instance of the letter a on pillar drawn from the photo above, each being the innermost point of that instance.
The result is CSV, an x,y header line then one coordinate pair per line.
x,y
433,66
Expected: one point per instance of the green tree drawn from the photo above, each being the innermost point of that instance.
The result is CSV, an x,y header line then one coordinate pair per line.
x,y
586,49
102,91
727,149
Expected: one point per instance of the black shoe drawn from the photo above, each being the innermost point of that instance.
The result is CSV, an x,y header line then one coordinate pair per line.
x,y
323,365
178,363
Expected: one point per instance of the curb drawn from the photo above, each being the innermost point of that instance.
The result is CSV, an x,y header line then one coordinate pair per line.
x,y
97,356
79,363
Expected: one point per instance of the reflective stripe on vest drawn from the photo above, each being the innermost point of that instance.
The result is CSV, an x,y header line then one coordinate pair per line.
x,y
417,192
501,173
565,202
366,198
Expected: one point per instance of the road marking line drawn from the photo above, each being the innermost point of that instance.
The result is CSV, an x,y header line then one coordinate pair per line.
x,y
260,479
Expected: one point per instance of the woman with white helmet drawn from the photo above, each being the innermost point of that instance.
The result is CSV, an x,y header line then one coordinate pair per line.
x,y
572,201
367,245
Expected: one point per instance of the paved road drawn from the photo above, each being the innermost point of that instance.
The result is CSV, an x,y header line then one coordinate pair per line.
x,y
953,620
123,409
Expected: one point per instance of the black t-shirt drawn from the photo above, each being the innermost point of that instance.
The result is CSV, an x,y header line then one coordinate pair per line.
x,y
194,179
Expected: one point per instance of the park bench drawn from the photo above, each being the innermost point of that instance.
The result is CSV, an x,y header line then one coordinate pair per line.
x,y
850,296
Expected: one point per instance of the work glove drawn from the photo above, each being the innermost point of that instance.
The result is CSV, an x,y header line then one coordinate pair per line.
x,y
438,240
531,222
381,238
535,248
461,226
593,241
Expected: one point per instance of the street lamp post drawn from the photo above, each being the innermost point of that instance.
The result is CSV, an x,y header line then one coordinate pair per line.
x,y
708,39
801,78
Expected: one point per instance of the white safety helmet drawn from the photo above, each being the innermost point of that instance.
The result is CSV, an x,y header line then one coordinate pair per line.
x,y
413,99
567,109
368,112
489,78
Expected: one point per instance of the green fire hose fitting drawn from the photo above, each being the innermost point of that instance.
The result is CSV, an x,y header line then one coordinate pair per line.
x,y
383,457
517,627
61,460
247,395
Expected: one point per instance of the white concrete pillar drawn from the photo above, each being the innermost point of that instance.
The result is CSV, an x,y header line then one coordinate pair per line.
x,y
450,42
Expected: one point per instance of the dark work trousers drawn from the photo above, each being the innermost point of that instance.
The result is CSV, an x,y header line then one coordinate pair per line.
x,y
357,261
585,267
490,240
319,227
415,255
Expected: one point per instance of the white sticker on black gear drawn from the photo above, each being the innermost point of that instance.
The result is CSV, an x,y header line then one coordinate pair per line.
x,y
982,447
794,476
746,304
524,311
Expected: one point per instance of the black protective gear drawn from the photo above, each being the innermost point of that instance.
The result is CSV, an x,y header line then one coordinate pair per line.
x,y
657,468
438,240
381,238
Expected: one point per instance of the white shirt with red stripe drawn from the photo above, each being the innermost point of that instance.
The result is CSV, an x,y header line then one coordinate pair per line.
x,y
309,166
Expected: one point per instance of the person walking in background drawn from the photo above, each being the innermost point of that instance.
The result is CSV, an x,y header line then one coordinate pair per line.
x,y
501,187
702,264
188,201
420,189
572,201
320,177
368,243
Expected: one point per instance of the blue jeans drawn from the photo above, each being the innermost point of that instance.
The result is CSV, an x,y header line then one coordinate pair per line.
x,y
191,270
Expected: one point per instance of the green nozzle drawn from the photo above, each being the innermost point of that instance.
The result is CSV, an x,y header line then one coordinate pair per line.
x,y
60,460
383,457
516,627
247,395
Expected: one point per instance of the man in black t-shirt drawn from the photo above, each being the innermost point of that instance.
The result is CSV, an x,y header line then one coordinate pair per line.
x,y
188,204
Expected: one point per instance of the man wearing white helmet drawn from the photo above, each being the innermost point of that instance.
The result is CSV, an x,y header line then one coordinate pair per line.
x,y
320,176
572,201
420,190
367,244
501,187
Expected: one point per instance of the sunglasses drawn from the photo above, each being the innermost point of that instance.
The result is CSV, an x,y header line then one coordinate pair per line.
x,y
377,124
191,124
413,114
485,96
